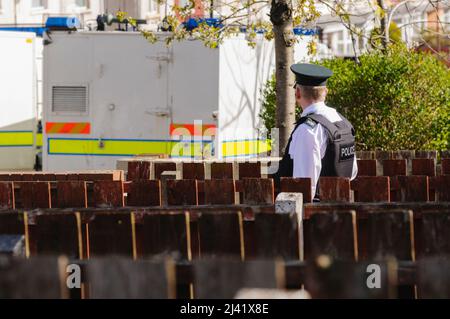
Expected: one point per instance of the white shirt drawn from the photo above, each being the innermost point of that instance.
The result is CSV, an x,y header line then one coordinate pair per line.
x,y
309,145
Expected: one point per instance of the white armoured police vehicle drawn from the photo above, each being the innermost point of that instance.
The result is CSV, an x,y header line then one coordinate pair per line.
x,y
110,94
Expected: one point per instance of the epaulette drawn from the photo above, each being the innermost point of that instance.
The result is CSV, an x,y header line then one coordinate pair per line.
x,y
311,123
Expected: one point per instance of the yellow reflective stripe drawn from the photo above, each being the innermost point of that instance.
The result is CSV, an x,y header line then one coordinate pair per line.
x,y
123,147
244,148
39,139
63,146
15,139
190,149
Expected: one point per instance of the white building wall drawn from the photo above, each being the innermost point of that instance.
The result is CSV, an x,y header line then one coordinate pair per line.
x,y
36,12
411,21
27,12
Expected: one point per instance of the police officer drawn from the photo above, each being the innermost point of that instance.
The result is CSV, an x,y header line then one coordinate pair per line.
x,y
323,142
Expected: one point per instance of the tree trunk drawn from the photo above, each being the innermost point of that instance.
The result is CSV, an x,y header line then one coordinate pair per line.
x,y
384,28
281,18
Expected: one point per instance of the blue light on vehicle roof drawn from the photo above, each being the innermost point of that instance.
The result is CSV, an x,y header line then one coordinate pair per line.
x,y
63,22
193,23
304,31
297,31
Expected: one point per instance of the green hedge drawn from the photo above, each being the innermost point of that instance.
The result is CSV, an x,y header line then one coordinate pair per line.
x,y
396,100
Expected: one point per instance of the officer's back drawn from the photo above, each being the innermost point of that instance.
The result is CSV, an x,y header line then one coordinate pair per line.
x,y
323,141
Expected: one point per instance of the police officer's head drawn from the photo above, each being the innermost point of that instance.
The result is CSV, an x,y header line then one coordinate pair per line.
x,y
310,83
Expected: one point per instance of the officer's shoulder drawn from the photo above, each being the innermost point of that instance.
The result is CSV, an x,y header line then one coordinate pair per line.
x,y
310,123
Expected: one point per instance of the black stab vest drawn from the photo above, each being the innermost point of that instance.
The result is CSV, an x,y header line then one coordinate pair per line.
x,y
339,155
